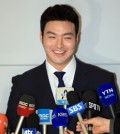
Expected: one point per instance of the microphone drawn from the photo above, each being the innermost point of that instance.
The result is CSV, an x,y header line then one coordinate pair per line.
x,y
25,107
3,123
44,118
108,96
77,107
60,119
61,97
90,99
32,122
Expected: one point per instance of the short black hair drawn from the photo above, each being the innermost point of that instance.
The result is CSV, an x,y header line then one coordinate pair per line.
x,y
60,13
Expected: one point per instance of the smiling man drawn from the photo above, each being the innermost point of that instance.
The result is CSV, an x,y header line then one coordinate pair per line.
x,y
59,35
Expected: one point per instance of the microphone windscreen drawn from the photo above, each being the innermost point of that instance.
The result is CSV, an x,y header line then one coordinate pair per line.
x,y
32,121
28,99
107,94
73,97
60,117
89,96
3,123
26,106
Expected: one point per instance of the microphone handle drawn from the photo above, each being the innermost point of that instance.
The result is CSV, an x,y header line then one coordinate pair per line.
x,y
65,107
113,111
82,125
44,126
89,125
61,131
19,125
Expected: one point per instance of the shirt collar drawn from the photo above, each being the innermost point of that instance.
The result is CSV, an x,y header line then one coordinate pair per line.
x,y
69,69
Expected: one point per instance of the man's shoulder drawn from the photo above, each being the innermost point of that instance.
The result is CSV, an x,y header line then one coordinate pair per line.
x,y
92,68
31,73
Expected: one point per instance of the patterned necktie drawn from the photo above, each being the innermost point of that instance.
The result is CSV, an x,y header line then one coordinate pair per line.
x,y
60,78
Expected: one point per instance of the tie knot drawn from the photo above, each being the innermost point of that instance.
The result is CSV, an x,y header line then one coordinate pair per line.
x,y
59,75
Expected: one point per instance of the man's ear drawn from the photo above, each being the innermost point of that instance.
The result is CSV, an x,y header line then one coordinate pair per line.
x,y
78,38
41,36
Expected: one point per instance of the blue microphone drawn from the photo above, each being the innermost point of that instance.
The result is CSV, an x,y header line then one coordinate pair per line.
x,y
108,96
44,118
60,119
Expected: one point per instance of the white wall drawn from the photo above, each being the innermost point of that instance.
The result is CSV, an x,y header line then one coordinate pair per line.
x,y
20,48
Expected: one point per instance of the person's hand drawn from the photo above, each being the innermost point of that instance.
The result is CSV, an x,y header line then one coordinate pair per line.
x,y
68,132
100,125
79,128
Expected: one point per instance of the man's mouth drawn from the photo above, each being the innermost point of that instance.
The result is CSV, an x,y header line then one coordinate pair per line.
x,y
59,52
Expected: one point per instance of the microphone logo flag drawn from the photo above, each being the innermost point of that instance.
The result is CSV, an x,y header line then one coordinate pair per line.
x,y
62,95
28,131
73,110
44,115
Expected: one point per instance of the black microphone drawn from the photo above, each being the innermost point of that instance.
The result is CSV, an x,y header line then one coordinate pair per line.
x,y
32,122
90,100
77,108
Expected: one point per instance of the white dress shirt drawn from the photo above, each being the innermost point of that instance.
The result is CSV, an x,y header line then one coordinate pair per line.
x,y
67,78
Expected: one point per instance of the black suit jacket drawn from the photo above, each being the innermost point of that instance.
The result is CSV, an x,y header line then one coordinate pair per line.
x,y
35,83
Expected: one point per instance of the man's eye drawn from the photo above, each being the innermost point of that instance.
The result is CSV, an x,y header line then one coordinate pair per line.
x,y
68,38
51,37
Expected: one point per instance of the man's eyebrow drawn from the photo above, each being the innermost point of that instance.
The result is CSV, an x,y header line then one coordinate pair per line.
x,y
68,33
49,32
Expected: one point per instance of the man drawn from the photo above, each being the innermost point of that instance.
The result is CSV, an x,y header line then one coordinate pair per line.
x,y
60,38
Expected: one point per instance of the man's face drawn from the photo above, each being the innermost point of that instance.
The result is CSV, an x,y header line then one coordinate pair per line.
x,y
60,42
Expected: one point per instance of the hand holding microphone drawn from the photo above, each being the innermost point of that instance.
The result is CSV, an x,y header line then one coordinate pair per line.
x,y
3,123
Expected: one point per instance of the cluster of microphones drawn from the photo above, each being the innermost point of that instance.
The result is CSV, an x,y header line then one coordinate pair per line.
x,y
78,104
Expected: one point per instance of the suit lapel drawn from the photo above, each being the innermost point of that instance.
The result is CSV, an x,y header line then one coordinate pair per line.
x,y
45,95
80,78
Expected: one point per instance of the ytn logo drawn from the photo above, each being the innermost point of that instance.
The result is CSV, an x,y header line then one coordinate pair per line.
x,y
108,91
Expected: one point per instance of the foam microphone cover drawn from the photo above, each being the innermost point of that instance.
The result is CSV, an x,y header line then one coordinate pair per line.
x,y
28,99
26,106
60,117
89,96
73,97
32,121
3,123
